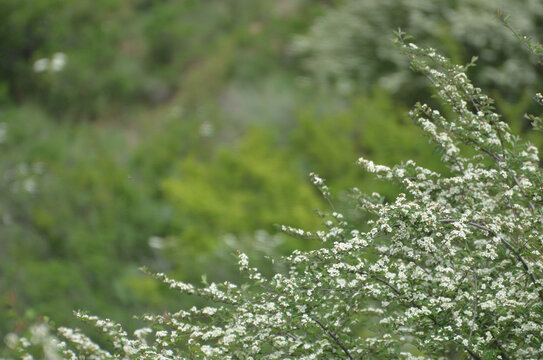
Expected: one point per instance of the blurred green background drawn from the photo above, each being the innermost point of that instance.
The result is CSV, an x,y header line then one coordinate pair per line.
x,y
169,134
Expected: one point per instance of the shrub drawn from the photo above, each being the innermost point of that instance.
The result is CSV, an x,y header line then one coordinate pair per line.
x,y
451,267
80,201
135,54
347,49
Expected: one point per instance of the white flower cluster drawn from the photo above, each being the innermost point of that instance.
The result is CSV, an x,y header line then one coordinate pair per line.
x,y
55,64
452,266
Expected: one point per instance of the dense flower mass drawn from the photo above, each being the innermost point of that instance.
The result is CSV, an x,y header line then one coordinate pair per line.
x,y
451,267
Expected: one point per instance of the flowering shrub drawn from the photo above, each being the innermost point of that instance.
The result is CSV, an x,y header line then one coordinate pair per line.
x,y
451,267
347,47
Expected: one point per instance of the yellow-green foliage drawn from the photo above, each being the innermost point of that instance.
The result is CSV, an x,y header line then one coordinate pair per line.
x,y
239,189
372,125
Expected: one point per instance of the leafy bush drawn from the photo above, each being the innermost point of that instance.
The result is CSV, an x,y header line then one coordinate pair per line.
x,y
372,125
136,53
347,47
73,222
83,203
451,266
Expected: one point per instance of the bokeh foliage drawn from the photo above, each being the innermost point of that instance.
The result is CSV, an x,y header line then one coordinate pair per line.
x,y
348,47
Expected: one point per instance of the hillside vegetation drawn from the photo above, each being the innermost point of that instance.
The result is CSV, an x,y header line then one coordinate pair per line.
x,y
171,134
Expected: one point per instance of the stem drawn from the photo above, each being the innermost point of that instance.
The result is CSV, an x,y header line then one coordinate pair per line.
x,y
532,207
474,313
334,337
507,245
392,287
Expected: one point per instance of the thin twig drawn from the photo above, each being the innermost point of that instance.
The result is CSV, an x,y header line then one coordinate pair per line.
x,y
333,336
532,207
392,287
474,312
507,245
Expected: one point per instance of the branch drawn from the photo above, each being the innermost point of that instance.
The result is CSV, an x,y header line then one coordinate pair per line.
x,y
507,245
473,355
334,337
532,207
474,312
392,287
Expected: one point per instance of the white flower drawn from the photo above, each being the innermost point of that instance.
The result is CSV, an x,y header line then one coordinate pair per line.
x,y
41,65
58,62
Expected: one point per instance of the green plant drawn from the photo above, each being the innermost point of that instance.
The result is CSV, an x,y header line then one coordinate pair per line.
x,y
346,48
451,266
84,202
135,54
